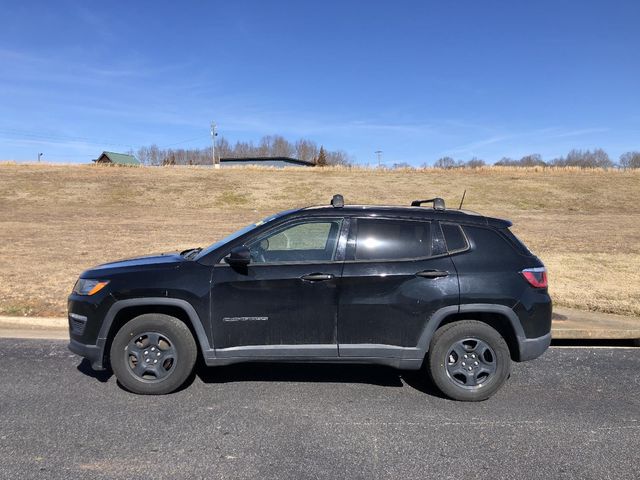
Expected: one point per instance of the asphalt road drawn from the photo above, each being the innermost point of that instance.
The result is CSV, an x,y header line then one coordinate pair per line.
x,y
574,413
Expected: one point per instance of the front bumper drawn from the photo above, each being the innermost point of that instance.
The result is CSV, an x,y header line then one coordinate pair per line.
x,y
86,316
93,353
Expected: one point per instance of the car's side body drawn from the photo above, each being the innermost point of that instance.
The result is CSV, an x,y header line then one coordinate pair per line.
x,y
341,306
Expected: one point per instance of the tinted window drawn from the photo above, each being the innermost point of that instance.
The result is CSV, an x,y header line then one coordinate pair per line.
x,y
491,246
454,237
392,239
302,242
521,247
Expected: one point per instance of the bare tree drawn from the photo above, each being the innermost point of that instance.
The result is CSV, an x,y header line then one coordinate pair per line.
x,y
280,147
597,158
630,160
306,150
533,160
155,156
475,163
445,162
400,165
507,162
265,148
142,154
242,149
338,157
223,149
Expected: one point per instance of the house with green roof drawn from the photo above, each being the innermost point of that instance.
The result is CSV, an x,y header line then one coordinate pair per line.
x,y
117,159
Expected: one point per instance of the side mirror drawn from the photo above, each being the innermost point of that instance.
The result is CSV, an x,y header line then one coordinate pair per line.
x,y
239,256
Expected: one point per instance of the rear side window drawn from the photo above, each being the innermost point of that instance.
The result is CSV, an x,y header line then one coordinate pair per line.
x,y
454,237
392,239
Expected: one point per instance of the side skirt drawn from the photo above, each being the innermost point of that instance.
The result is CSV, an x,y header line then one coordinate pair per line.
x,y
396,357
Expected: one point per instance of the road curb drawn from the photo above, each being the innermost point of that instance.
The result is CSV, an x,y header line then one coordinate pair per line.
x,y
568,324
572,324
33,322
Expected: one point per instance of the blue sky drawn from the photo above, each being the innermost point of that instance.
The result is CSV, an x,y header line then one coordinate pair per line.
x,y
416,79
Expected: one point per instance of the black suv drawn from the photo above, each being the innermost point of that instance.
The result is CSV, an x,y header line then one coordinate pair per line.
x,y
451,290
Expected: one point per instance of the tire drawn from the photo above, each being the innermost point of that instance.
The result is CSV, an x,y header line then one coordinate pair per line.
x,y
153,354
477,376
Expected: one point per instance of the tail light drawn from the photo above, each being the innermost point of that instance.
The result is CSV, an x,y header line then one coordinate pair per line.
x,y
537,277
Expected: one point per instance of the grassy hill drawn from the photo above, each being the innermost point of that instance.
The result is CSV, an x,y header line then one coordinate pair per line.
x,y
55,221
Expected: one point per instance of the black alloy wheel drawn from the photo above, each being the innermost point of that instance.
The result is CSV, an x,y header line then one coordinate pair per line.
x,y
153,354
468,360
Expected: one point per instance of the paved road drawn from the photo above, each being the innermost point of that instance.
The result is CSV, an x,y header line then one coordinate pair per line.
x,y
575,413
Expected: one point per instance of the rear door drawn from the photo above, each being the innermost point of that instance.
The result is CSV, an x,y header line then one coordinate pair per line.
x,y
392,282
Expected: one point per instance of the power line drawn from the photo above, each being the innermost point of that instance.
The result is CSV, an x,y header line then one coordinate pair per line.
x,y
24,135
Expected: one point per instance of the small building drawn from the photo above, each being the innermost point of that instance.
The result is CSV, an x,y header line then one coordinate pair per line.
x,y
278,162
116,159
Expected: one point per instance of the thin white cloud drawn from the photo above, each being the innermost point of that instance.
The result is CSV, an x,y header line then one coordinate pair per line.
x,y
471,147
539,136
580,132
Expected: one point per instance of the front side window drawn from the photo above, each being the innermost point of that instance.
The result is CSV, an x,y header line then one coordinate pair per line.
x,y
302,242
392,239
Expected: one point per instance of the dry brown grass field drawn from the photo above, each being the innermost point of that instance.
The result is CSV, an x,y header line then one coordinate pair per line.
x,y
55,221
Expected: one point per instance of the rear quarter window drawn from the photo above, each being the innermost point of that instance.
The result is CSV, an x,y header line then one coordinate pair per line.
x,y
517,243
454,237
490,244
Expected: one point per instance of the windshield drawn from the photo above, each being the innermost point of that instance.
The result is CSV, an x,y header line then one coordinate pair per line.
x,y
240,232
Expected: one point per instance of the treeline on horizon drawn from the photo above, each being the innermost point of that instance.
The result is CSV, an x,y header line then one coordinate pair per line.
x,y
268,146
308,150
596,158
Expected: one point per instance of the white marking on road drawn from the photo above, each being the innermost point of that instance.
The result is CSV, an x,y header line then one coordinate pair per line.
x,y
593,347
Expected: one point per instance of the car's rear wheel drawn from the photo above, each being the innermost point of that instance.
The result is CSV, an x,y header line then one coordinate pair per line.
x,y
468,360
153,354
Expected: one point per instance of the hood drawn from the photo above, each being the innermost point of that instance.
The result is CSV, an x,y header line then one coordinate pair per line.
x,y
163,259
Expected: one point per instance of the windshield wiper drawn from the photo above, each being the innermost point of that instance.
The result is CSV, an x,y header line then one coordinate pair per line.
x,y
191,252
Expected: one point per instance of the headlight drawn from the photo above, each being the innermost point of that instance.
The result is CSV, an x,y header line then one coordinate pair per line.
x,y
89,287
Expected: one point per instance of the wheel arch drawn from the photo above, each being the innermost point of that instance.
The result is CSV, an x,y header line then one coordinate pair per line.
x,y
500,317
123,311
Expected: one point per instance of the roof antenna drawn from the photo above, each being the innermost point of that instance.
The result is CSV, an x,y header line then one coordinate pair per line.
x,y
462,201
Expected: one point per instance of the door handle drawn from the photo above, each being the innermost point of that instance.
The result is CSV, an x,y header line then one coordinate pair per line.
x,y
317,277
432,274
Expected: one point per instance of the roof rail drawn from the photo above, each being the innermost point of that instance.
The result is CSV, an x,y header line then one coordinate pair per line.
x,y
438,203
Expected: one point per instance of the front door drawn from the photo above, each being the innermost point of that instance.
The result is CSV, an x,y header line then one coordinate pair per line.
x,y
284,303
391,284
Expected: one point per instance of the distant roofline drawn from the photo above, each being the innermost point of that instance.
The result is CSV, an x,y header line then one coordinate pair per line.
x,y
267,159
108,154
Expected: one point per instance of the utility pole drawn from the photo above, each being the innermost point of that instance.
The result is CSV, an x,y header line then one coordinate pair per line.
x,y
379,154
40,155
214,134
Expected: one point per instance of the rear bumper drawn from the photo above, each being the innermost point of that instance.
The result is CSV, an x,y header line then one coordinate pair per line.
x,y
531,348
93,353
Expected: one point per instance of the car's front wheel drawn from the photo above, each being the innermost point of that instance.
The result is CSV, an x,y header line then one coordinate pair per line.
x,y
153,354
468,360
